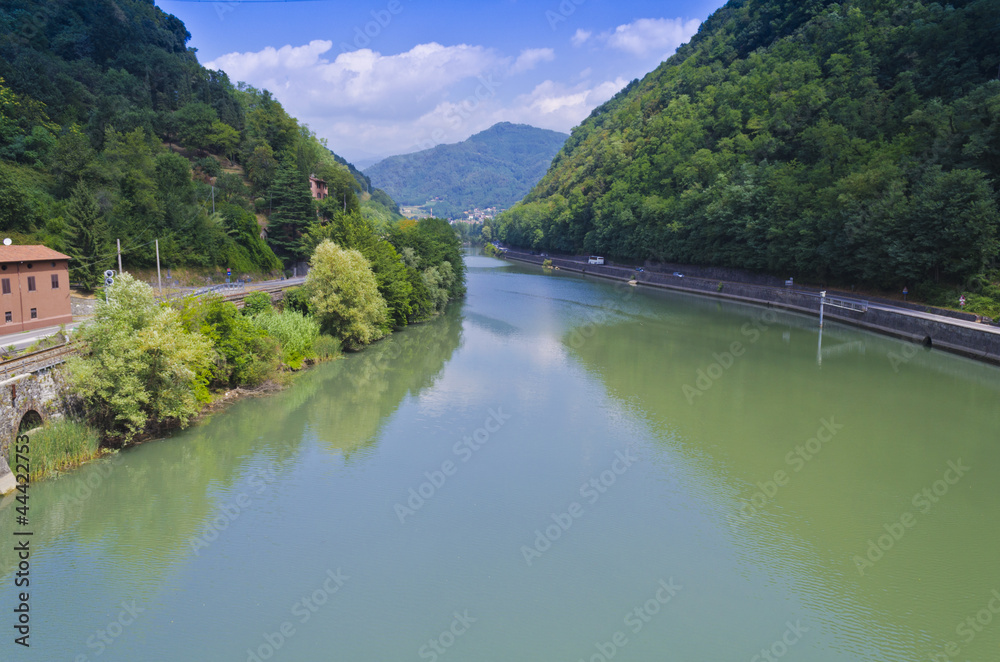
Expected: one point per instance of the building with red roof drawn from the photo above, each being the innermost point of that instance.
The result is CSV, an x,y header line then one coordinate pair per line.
x,y
34,288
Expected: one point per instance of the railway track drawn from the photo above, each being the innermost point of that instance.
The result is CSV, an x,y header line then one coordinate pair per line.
x,y
35,361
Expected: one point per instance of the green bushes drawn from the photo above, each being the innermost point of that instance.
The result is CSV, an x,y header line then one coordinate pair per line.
x,y
295,333
140,363
297,299
62,444
256,303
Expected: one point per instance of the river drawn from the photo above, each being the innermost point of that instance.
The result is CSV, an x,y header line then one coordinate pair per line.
x,y
559,468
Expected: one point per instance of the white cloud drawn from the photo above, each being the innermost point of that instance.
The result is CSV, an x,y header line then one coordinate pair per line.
x,y
559,107
362,80
646,36
530,57
581,36
367,104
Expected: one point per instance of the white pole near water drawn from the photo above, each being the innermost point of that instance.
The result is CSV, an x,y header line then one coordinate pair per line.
x,y
822,300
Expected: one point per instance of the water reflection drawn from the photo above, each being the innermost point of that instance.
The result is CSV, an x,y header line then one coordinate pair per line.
x,y
735,416
175,486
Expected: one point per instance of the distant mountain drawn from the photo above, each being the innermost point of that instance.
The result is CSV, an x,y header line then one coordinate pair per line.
x,y
494,168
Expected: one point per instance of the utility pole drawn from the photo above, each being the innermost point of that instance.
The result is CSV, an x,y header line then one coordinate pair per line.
x,y
213,199
119,255
158,279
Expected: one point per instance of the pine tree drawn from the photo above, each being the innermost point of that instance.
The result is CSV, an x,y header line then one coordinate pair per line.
x,y
88,246
292,213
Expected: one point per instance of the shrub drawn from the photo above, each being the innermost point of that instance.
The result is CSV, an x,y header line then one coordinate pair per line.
x,y
140,362
246,354
209,166
981,305
256,303
297,299
295,333
547,263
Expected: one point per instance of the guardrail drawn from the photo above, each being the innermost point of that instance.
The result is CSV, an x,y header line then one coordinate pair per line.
x,y
40,360
849,304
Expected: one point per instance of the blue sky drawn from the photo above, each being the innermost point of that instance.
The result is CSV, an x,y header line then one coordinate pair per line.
x,y
383,77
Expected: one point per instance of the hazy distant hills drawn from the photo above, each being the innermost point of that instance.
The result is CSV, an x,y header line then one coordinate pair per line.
x,y
494,168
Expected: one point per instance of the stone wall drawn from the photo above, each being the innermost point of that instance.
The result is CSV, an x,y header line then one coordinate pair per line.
x,y
978,343
45,393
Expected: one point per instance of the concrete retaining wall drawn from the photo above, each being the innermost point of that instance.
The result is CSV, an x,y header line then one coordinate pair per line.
x,y
981,344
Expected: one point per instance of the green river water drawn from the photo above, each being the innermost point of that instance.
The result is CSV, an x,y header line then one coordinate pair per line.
x,y
558,469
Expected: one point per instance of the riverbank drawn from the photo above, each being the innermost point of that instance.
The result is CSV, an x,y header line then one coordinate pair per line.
x,y
958,335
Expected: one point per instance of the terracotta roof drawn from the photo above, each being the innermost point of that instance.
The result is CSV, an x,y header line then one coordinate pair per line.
x,y
29,254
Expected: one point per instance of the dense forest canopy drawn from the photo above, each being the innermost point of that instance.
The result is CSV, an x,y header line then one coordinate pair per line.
x,y
855,141
109,128
493,168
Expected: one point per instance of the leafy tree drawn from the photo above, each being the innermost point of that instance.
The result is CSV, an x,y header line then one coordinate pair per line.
x,y
140,364
89,245
224,138
345,297
198,125
17,212
354,231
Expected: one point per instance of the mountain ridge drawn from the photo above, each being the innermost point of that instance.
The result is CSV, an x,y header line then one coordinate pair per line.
x,y
493,168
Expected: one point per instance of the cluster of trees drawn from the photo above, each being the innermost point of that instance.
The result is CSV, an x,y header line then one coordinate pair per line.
x,y
109,128
494,168
364,284
148,363
855,141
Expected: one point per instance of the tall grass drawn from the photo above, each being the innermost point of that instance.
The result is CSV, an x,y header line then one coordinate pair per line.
x,y
60,445
295,332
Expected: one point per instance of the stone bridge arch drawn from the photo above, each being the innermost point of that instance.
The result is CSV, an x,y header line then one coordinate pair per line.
x,y
43,393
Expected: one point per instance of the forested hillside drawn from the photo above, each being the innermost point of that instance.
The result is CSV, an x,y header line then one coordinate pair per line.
x,y
493,168
855,141
109,128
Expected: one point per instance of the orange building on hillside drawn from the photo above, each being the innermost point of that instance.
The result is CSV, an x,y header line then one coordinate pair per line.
x,y
34,288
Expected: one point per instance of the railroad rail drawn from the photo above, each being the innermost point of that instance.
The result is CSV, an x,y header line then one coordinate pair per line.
x,y
36,361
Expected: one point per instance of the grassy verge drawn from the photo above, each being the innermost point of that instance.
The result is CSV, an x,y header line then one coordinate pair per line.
x,y
58,446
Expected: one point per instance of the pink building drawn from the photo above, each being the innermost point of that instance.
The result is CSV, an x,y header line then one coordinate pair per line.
x,y
34,288
318,187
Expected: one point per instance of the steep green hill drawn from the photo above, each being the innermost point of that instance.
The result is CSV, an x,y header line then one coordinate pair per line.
x,y
109,128
856,141
493,168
